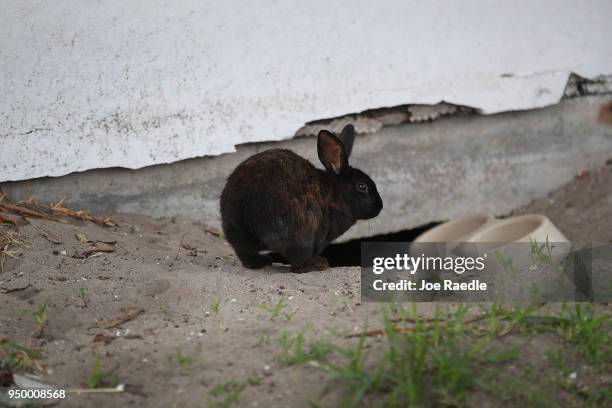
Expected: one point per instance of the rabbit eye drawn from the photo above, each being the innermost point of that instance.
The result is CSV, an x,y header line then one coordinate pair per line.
x,y
362,187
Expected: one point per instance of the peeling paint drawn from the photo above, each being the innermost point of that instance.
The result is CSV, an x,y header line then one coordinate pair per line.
x,y
579,86
373,120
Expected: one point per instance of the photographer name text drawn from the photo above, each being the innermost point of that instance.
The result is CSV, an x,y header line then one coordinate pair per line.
x,y
447,285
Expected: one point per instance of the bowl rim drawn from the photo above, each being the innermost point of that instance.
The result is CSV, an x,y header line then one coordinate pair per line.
x,y
500,223
425,236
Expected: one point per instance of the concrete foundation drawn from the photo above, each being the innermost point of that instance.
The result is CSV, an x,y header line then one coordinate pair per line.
x,y
425,172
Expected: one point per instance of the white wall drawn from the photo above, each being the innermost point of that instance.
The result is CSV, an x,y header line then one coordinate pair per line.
x,y
89,84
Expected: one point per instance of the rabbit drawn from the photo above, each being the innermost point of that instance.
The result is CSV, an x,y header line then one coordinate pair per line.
x,y
278,201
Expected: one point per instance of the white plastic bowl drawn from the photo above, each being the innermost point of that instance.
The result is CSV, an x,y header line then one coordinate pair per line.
x,y
457,230
522,228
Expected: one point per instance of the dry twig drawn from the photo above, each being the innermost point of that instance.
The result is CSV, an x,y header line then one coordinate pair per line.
x,y
31,208
179,247
26,212
84,215
127,313
8,220
213,232
91,251
6,240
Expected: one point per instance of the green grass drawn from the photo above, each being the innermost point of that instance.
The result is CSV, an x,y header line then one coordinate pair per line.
x,y
165,309
588,331
40,316
264,340
15,357
226,394
541,252
96,376
505,262
585,384
183,361
99,378
430,363
519,391
296,350
580,325
82,296
450,359
277,310
502,319
215,306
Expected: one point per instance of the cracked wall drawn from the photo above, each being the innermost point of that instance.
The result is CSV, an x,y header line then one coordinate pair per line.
x,y
116,84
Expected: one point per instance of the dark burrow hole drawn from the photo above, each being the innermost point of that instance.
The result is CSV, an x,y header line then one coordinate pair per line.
x,y
349,253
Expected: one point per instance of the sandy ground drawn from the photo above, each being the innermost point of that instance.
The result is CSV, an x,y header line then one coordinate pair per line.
x,y
582,209
234,341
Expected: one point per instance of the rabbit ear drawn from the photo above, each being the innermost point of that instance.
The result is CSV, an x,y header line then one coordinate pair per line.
x,y
348,137
331,152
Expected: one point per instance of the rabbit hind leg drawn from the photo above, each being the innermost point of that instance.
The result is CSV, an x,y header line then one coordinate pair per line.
x,y
301,258
247,249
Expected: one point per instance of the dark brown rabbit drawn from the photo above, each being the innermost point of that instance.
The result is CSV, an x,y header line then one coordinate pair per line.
x,y
278,201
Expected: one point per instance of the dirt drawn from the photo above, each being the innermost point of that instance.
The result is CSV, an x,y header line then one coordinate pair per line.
x,y
581,209
171,325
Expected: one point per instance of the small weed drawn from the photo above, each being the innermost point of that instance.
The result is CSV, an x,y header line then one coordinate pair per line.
x,y
264,340
599,397
596,394
285,340
590,332
289,315
254,380
506,262
164,308
216,306
346,302
24,312
14,357
319,350
503,319
183,361
98,378
563,372
295,350
558,361
276,310
541,252
40,316
82,294
226,394
521,391
493,356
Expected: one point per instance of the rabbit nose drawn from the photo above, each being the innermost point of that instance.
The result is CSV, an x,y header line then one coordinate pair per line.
x,y
379,204
376,209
